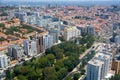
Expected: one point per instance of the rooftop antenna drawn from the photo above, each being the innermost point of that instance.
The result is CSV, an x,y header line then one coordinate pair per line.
x,y
19,7
57,13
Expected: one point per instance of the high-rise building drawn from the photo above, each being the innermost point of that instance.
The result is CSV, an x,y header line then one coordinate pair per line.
x,y
71,32
15,52
87,29
48,41
25,19
102,55
105,49
40,44
24,15
30,47
55,33
4,61
117,39
106,66
94,69
20,15
90,30
43,22
29,13
116,64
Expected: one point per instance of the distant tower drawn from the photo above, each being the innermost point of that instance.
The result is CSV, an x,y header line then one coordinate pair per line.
x,y
36,35
57,14
19,9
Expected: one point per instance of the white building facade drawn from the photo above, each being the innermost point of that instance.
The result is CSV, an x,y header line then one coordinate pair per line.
x,y
48,41
71,32
4,61
94,69
30,47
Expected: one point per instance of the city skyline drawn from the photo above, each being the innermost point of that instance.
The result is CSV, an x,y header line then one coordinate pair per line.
x,y
60,39
56,1
60,2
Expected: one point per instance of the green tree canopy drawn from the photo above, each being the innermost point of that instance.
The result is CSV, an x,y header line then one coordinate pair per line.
x,y
116,77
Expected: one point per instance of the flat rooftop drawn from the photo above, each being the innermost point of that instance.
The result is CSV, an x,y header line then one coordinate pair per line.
x,y
96,62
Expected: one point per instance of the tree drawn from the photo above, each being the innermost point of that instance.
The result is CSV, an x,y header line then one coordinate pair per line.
x,y
44,62
16,70
116,77
57,67
76,76
48,51
88,45
83,34
59,55
81,67
33,58
29,28
21,77
61,38
9,75
26,63
74,59
84,62
90,39
82,71
62,73
68,64
12,29
55,49
51,58
59,63
2,25
33,76
25,70
49,73
113,37
83,48
69,78
82,41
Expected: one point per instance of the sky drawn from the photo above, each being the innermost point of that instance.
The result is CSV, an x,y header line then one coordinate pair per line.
x,y
63,2
56,0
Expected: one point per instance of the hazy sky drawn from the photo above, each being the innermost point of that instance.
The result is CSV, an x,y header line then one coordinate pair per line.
x,y
57,0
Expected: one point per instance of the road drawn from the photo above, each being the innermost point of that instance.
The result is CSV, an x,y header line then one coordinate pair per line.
x,y
81,56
